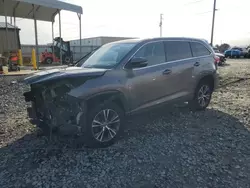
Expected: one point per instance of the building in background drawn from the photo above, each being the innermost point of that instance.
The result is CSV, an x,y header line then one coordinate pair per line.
x,y
88,45
13,38
96,41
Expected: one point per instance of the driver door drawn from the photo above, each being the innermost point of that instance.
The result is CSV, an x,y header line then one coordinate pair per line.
x,y
147,84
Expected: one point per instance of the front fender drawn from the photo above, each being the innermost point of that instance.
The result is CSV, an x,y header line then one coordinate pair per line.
x,y
110,95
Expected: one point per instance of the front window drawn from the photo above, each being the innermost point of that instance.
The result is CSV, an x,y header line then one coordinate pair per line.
x,y
108,55
153,52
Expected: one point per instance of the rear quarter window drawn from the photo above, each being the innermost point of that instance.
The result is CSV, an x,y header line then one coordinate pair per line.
x,y
199,49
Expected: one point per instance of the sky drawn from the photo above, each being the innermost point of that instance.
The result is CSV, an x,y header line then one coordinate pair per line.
x,y
140,18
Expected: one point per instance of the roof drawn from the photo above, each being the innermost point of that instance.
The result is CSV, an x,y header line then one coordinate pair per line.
x,y
3,26
101,37
45,9
137,40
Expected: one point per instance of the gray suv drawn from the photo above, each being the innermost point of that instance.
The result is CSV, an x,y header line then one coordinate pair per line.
x,y
121,78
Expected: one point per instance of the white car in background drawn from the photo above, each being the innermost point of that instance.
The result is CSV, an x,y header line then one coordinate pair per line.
x,y
222,58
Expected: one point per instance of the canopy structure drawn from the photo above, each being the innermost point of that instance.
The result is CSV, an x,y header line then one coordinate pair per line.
x,y
43,10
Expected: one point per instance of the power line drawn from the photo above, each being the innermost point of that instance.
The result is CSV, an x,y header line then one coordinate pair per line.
x,y
193,2
203,12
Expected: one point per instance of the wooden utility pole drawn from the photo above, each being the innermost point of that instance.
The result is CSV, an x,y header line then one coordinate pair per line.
x,y
161,18
212,32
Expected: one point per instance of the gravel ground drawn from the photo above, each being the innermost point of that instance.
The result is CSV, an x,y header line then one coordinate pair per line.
x,y
170,147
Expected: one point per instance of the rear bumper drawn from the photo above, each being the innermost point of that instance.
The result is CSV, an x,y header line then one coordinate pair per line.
x,y
222,59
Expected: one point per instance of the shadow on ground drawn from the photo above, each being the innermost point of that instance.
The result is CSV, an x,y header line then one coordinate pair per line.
x,y
167,148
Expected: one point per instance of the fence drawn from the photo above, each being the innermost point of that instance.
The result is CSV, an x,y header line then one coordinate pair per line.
x,y
26,50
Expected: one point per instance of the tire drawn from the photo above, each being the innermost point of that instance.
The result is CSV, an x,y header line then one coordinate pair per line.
x,y
67,60
95,137
48,60
196,104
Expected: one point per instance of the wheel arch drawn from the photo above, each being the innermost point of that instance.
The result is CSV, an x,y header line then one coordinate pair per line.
x,y
209,78
108,96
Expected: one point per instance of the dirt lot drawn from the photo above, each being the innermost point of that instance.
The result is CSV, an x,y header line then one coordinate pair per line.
x,y
170,147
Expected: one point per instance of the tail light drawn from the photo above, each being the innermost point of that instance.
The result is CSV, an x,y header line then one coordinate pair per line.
x,y
216,61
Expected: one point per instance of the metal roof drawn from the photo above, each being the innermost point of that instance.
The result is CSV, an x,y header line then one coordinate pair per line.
x,y
45,9
3,26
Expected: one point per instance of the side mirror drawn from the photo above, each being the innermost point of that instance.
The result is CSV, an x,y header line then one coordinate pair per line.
x,y
137,62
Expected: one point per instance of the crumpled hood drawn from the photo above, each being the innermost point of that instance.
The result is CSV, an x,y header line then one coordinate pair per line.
x,y
68,72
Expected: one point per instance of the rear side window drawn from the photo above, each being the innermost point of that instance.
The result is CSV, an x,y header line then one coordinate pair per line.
x,y
153,52
177,50
199,49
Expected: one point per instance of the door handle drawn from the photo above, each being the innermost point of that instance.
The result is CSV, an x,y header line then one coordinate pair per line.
x,y
197,64
167,71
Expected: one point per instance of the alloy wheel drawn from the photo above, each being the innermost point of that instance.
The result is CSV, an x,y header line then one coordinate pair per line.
x,y
204,96
105,125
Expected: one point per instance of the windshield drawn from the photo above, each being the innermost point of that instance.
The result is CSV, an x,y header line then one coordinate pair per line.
x,y
80,62
108,55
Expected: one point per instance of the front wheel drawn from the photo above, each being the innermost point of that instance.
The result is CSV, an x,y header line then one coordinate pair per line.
x,y
48,60
202,97
103,126
67,60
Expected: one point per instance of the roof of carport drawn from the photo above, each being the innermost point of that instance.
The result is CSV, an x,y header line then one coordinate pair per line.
x,y
45,9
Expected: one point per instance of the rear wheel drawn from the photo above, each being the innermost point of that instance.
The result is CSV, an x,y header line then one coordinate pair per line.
x,y
103,126
202,97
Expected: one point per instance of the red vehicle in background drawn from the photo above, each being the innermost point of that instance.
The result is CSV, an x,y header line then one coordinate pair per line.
x,y
53,54
216,61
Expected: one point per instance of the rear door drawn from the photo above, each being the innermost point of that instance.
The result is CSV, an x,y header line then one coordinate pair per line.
x,y
203,60
181,64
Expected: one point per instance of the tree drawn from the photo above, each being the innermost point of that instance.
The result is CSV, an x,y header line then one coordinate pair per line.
x,y
223,47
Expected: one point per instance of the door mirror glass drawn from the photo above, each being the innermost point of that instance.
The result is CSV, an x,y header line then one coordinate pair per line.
x,y
137,62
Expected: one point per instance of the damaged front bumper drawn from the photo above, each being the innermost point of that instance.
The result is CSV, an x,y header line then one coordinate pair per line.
x,y
62,113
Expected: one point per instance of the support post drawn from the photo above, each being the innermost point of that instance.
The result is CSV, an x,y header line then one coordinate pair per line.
x,y
6,25
60,34
80,30
15,35
36,39
212,32
53,38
